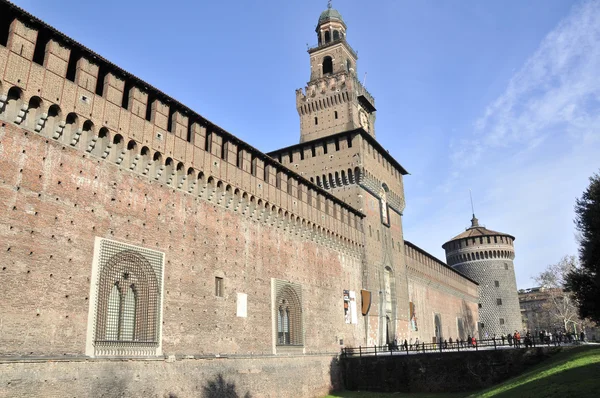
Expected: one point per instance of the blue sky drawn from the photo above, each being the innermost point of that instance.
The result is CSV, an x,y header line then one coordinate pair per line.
x,y
502,97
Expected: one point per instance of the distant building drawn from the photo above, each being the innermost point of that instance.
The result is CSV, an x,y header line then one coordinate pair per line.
x,y
534,314
539,306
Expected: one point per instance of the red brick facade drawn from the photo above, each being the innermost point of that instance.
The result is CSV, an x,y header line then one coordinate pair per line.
x,y
120,160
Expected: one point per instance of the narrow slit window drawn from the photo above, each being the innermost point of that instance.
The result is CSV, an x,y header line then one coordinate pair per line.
x,y
126,91
102,72
240,158
218,286
253,166
190,136
151,99
224,149
39,51
170,120
6,20
208,143
74,57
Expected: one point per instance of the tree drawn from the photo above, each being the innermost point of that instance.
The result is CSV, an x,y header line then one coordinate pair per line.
x,y
584,281
560,305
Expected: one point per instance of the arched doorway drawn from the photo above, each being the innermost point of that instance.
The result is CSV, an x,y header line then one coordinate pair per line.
x,y
438,327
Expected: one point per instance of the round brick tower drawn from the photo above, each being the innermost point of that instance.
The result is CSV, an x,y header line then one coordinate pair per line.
x,y
487,257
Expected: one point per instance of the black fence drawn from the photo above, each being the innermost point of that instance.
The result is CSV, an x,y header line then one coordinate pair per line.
x,y
454,346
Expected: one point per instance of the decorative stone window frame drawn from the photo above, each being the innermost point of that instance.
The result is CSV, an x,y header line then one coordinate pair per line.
x,y
143,269
285,292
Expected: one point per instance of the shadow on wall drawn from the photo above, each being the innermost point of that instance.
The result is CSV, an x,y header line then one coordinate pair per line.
x,y
335,375
468,319
111,383
219,388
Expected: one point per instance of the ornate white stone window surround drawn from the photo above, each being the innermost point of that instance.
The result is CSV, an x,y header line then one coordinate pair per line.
x,y
126,292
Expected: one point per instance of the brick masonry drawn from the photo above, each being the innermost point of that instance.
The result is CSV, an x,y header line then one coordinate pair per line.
x,y
88,150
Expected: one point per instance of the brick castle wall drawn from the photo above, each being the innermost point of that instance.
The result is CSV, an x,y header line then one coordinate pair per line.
x,y
56,200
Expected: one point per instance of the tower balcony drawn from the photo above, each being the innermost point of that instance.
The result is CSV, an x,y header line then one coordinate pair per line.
x,y
364,97
316,47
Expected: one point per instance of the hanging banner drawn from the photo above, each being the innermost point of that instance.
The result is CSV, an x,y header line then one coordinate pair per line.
x,y
365,295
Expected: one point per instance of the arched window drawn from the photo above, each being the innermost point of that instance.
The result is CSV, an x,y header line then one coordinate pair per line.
x,y
13,105
327,65
288,312
438,326
128,301
336,35
283,326
34,114
327,36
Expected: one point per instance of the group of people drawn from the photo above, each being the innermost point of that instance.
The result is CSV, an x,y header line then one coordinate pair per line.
x,y
469,342
513,339
544,337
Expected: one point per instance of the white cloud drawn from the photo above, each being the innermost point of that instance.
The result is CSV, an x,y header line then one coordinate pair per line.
x,y
557,91
530,153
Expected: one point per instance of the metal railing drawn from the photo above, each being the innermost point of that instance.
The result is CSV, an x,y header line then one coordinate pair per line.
x,y
446,346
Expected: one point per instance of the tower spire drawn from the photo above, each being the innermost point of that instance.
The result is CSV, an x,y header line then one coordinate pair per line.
x,y
474,220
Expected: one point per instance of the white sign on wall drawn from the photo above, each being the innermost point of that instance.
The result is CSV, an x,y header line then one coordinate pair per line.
x,y
242,305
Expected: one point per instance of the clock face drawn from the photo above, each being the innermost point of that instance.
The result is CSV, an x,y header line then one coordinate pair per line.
x,y
364,120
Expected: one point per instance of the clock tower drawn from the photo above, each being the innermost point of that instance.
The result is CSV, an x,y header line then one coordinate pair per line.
x,y
334,100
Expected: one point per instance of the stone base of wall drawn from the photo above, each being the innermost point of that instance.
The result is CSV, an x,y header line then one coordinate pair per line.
x,y
294,376
448,372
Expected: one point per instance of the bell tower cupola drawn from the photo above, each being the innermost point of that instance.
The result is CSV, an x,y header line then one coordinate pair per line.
x,y
334,100
331,26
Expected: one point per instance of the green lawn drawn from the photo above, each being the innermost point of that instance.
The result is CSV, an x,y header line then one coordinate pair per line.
x,y
354,394
574,372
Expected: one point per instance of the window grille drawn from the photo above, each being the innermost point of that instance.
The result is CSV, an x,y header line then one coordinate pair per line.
x,y
288,313
127,295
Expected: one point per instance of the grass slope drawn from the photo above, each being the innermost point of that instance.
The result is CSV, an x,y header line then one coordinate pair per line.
x,y
574,372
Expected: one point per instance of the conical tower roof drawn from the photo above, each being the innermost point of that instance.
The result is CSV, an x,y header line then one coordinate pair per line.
x,y
475,230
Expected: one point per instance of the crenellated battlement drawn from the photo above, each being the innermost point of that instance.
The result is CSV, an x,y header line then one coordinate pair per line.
x,y
63,91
